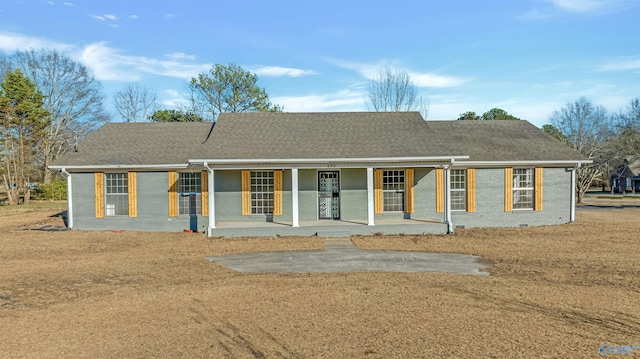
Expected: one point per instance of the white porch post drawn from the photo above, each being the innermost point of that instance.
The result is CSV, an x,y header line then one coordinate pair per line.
x,y
212,200
447,199
69,199
294,197
370,200
572,215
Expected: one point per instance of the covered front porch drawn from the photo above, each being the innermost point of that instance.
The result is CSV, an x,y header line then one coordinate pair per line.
x,y
328,197
329,228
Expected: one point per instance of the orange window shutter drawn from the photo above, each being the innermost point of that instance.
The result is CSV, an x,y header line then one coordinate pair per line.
x,y
204,195
508,189
471,190
277,193
440,190
99,194
377,191
132,187
537,178
173,194
246,192
409,179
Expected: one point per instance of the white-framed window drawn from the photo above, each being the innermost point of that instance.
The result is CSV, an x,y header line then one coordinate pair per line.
x,y
261,192
393,190
523,188
458,179
189,193
116,194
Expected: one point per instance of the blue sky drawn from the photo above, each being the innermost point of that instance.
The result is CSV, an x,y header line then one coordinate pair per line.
x,y
528,57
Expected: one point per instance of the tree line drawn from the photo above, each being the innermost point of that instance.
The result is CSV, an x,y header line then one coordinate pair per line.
x,y
48,102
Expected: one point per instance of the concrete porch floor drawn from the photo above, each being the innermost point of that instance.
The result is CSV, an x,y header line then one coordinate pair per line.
x,y
329,228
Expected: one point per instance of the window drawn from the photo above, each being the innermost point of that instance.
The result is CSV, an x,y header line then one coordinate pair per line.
x,y
523,188
189,193
116,194
261,192
458,190
393,191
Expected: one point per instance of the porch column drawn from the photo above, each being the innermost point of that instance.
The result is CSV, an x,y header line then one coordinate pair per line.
x,y
572,214
69,199
212,203
447,199
294,197
370,201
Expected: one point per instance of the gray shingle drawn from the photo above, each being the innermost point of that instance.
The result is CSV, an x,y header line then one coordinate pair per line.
x,y
335,135
140,144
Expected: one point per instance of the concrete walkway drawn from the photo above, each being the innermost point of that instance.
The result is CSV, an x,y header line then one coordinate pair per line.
x,y
341,255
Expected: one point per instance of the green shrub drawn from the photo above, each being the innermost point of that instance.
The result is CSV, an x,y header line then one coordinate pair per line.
x,y
56,191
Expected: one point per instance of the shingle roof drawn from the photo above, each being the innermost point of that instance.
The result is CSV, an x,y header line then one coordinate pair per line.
x,y
323,135
330,135
159,143
503,141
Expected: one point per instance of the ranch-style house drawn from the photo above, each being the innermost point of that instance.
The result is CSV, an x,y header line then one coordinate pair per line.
x,y
326,174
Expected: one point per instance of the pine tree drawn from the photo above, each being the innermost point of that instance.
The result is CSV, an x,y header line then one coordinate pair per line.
x,y
23,120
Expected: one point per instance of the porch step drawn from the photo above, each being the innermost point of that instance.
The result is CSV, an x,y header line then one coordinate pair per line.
x,y
333,234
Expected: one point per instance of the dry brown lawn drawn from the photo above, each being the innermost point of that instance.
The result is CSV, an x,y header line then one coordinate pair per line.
x,y
557,291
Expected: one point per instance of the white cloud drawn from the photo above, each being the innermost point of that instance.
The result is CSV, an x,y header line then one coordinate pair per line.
x,y
110,65
368,71
104,17
107,63
632,64
420,79
67,3
435,81
170,16
11,42
275,71
343,100
133,17
175,99
580,5
180,56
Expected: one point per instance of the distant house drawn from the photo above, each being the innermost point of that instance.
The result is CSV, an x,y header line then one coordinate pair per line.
x,y
626,176
319,173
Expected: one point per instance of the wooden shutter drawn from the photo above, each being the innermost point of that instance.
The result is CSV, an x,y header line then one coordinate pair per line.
x,y
440,190
277,193
537,178
246,192
508,189
204,195
408,190
99,194
173,194
378,206
471,189
132,187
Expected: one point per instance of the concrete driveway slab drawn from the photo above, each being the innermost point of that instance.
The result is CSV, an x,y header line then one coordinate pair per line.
x,y
343,256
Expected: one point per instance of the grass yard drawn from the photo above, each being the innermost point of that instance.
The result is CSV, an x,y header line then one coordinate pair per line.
x,y
558,291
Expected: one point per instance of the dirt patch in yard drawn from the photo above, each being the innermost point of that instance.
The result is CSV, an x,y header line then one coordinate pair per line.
x,y
558,291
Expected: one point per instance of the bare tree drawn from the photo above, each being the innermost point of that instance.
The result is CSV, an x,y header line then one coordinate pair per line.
x,y
586,128
136,103
392,90
71,95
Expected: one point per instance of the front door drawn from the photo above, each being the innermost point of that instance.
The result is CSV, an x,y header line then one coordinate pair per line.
x,y
329,195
